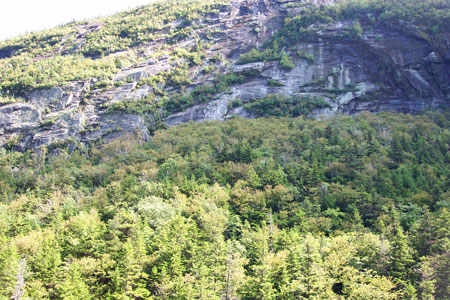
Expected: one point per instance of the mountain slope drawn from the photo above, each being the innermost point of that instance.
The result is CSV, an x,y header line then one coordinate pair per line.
x,y
105,194
287,208
176,61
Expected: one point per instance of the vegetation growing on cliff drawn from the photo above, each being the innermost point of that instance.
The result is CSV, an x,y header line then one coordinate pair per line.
x,y
20,75
84,50
343,208
279,208
431,16
281,106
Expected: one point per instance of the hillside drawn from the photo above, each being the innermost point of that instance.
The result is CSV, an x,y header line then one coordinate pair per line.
x,y
175,61
317,165
348,208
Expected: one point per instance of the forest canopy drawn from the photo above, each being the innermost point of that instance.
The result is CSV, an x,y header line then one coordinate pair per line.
x,y
287,208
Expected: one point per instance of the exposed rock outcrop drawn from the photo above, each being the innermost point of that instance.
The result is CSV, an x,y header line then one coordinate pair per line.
x,y
385,69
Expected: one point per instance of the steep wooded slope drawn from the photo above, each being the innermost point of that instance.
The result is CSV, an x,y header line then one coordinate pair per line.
x,y
277,208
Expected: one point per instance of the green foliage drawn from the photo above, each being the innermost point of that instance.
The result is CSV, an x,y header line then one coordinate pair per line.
x,y
48,122
83,50
133,106
354,206
433,14
194,58
9,265
148,108
356,31
178,102
353,32
19,75
118,32
306,55
256,56
281,106
178,77
224,81
286,62
297,28
274,83
202,94
279,208
208,69
235,103
8,100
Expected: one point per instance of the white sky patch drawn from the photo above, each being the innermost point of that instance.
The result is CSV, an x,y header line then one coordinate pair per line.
x,y
22,16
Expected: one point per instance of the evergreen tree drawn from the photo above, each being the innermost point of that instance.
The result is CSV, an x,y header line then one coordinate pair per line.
x,y
73,286
427,284
401,254
396,152
9,267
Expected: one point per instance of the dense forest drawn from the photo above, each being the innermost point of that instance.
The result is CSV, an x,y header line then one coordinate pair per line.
x,y
278,208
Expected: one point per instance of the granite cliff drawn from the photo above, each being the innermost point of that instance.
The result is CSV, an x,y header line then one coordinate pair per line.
x,y
351,64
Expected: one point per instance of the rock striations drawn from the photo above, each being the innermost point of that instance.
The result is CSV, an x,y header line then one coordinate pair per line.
x,y
385,68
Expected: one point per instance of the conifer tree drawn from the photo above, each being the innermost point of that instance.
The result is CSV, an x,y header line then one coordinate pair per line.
x,y
73,286
9,267
401,254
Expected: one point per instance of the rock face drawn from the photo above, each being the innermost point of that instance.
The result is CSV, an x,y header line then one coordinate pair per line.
x,y
385,69
214,110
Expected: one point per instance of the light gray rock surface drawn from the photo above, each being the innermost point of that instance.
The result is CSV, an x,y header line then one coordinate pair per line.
x,y
387,69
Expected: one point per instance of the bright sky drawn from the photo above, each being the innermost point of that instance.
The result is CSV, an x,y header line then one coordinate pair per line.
x,y
21,16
